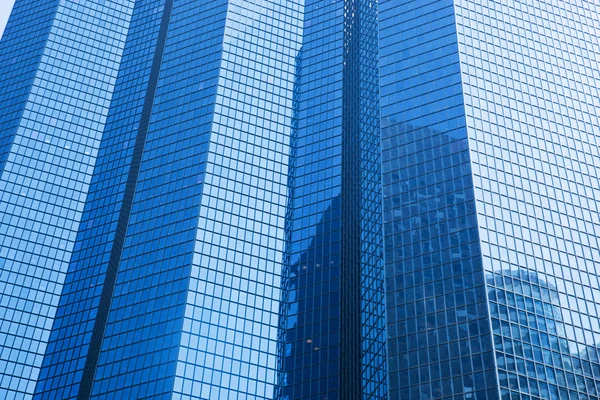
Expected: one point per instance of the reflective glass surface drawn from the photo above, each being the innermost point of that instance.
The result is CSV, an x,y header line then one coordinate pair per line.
x,y
228,345
180,253
331,343
368,200
58,65
439,341
531,76
497,101
144,322
300,199
84,299
310,321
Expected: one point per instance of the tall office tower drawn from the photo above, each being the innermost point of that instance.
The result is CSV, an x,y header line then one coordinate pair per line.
x,y
332,326
239,165
490,171
173,290
58,63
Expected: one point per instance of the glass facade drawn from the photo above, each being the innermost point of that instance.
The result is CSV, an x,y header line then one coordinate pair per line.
x,y
179,256
310,321
489,128
439,339
228,349
300,199
530,76
58,64
77,332
332,322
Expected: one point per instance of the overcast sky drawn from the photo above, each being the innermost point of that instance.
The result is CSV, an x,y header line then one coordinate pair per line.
x,y
5,7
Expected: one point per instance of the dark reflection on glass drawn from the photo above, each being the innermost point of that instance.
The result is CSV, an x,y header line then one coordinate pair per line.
x,y
332,315
439,339
311,314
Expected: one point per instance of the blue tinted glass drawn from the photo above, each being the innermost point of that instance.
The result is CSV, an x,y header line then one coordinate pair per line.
x,y
439,342
58,66
489,188
304,199
183,232
531,107
332,324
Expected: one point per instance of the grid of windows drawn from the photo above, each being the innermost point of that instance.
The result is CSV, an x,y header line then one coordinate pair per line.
x,y
374,370
64,75
531,77
310,321
22,47
78,311
140,344
216,147
490,155
228,345
439,341
331,343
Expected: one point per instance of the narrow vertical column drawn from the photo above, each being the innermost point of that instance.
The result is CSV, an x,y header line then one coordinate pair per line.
x,y
331,328
351,321
373,318
310,324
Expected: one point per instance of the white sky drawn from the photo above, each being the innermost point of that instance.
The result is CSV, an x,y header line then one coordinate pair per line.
x,y
5,7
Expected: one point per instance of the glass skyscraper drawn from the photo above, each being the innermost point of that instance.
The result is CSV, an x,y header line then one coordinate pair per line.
x,y
490,173
174,285
59,61
300,199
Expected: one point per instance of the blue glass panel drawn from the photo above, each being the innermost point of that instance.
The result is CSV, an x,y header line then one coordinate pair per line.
x,y
439,341
58,65
531,101
229,339
332,321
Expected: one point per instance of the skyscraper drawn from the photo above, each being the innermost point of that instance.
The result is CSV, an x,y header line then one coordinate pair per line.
x,y
300,199
173,289
58,70
180,253
490,164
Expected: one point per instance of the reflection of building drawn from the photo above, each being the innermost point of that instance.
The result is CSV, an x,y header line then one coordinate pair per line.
x,y
218,199
532,341
332,324
490,174
438,326
311,320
